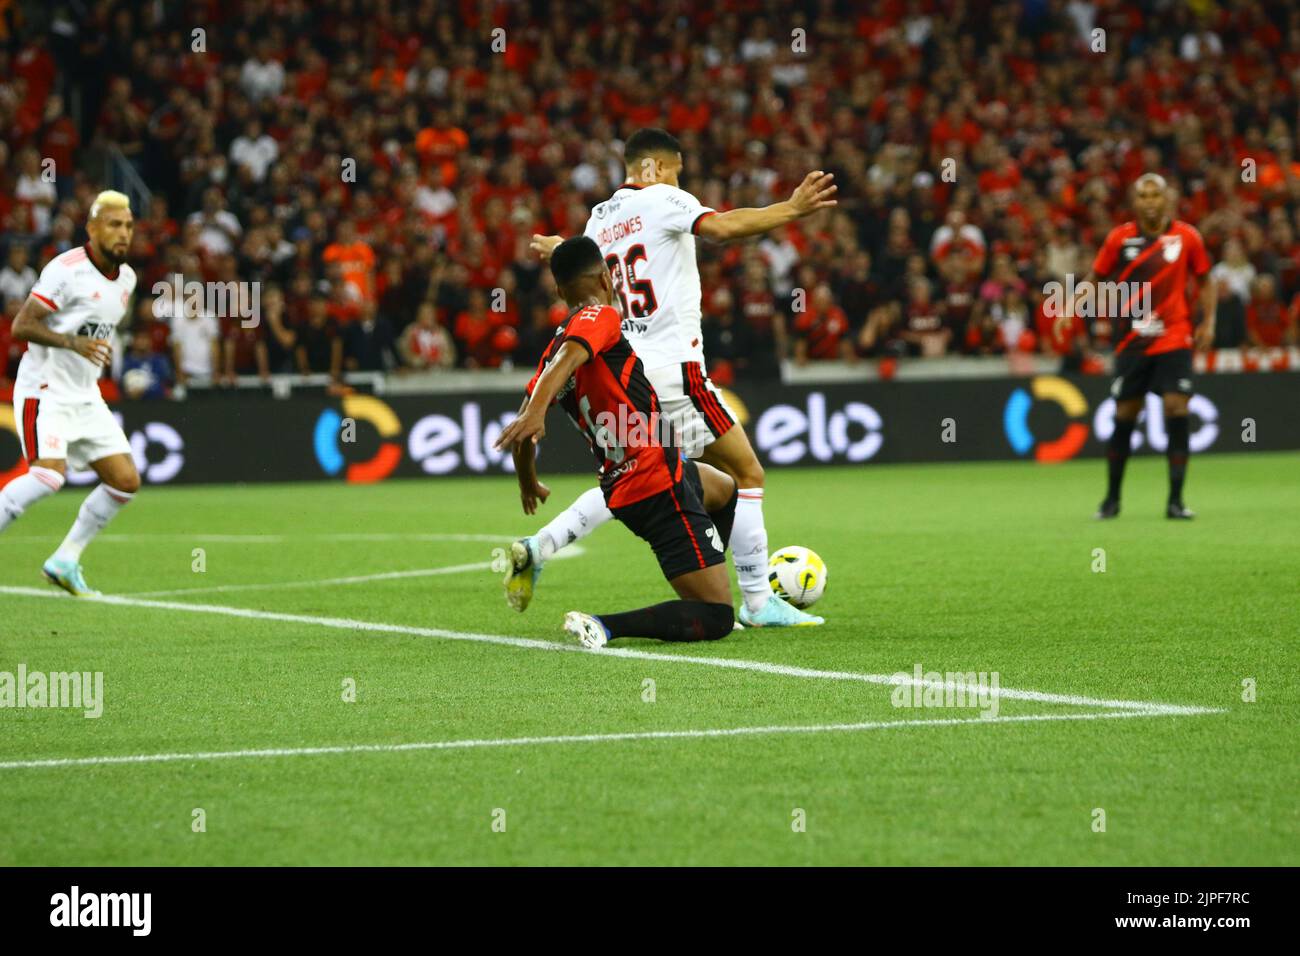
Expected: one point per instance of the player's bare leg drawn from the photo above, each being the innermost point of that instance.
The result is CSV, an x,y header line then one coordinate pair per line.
x,y
703,613
733,454
119,482
1117,452
1177,452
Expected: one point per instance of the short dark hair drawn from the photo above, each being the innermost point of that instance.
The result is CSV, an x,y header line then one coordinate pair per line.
x,y
574,258
650,140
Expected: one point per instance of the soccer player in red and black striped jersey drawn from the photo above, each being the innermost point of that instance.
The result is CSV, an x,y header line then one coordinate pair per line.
x,y
1158,255
683,509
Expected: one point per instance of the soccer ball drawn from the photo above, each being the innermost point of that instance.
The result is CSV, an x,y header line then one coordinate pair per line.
x,y
797,575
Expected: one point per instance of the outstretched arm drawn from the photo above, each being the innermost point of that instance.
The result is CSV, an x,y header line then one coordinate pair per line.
x,y
531,491
815,192
530,425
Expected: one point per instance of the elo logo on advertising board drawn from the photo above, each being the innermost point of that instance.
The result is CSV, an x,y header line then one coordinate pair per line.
x,y
1015,421
788,434
440,444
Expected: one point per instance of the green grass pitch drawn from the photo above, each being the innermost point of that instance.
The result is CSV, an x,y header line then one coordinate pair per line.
x,y
980,567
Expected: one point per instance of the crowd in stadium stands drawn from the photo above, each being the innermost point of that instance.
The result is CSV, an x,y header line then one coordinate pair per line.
x,y
379,167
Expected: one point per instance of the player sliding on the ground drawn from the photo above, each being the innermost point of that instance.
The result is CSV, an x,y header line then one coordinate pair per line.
x,y
646,234
1156,355
69,320
684,511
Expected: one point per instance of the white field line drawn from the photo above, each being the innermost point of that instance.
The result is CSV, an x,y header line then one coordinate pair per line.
x,y
572,551
763,667
566,739
145,538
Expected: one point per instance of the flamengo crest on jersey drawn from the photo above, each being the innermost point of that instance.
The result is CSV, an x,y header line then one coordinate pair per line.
x,y
647,236
85,302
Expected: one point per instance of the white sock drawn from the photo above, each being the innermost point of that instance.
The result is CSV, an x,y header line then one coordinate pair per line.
x,y
96,511
577,521
749,548
24,491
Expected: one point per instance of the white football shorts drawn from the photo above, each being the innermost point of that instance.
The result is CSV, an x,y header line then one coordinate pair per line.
x,y
693,404
80,433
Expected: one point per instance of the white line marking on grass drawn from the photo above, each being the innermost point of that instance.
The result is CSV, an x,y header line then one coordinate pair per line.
x,y
50,762
324,582
145,537
763,667
572,551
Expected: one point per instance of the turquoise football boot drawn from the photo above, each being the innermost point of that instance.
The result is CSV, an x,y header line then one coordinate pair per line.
x,y
67,575
778,613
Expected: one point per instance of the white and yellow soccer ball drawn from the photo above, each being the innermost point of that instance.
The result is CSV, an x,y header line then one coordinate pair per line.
x,y
797,575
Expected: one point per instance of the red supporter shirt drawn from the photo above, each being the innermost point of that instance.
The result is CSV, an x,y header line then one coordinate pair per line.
x,y
823,331
1165,261
609,394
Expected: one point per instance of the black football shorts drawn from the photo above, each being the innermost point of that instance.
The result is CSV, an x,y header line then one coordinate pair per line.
x,y
676,526
1137,373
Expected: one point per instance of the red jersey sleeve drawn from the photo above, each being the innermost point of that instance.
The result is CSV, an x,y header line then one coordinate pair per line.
x,y
596,328
1104,264
1198,260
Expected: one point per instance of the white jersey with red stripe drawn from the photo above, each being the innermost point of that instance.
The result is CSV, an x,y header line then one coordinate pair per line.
x,y
85,302
647,236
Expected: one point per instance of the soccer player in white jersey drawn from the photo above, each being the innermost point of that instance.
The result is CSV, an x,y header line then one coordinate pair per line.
x,y
69,319
646,231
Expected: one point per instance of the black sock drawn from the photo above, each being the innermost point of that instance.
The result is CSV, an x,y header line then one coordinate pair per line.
x,y
725,517
1117,452
1177,453
672,621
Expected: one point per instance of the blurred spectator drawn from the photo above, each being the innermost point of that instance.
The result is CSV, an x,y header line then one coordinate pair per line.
x,y
254,151
728,340
11,350
924,329
956,233
281,338
35,192
425,344
196,345
243,349
482,340
262,75
17,277
1234,275
822,330
882,334
58,140
319,349
1269,323
218,229
369,344
145,373
354,258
